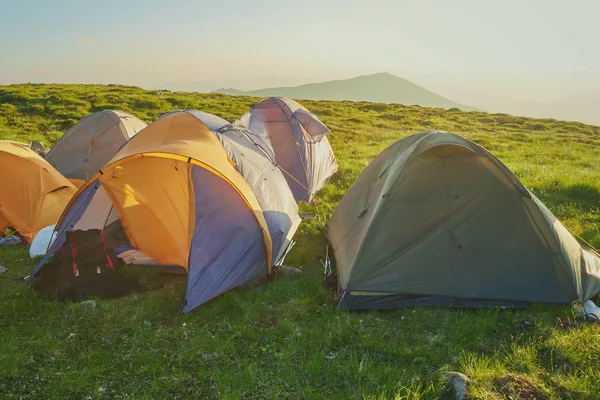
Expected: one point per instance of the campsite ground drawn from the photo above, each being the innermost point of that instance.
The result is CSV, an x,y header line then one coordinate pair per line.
x,y
286,339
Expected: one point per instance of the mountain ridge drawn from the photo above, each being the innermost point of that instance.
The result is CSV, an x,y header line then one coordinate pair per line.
x,y
381,87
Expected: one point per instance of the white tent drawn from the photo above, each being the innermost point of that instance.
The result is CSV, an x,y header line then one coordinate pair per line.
x,y
89,144
298,141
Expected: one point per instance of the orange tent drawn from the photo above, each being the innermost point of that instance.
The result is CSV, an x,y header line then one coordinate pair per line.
x,y
33,194
3,224
181,202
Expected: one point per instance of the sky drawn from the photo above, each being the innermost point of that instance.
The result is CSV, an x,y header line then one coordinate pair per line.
x,y
476,52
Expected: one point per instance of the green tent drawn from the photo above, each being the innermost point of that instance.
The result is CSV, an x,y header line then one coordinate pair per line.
x,y
435,219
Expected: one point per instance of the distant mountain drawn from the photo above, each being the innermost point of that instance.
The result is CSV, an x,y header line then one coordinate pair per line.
x,y
380,88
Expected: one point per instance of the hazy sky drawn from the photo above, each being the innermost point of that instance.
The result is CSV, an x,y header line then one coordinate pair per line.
x,y
468,50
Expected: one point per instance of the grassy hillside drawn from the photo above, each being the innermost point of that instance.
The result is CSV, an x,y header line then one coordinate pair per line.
x,y
382,87
285,339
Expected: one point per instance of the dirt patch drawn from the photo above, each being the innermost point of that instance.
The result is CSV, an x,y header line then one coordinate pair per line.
x,y
270,320
517,387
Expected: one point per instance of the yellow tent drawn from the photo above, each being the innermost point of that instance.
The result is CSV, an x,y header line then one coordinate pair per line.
x,y
180,201
33,194
177,141
3,224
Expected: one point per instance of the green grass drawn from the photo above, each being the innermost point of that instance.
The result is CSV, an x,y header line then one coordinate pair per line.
x,y
285,339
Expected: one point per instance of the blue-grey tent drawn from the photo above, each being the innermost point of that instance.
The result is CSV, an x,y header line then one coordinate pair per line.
x,y
181,202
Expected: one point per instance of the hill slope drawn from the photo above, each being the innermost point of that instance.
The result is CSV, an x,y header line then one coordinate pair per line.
x,y
380,88
285,338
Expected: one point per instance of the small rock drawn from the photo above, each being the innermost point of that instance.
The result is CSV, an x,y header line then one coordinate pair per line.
x,y
91,304
460,383
285,270
11,241
3,269
307,216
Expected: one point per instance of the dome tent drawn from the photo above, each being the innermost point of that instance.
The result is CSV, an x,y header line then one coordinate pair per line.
x,y
435,219
262,175
33,194
297,140
180,201
89,144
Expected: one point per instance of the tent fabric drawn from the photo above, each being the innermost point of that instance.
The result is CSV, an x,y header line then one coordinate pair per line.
x,y
211,121
32,193
77,182
73,213
136,257
3,224
228,256
298,141
268,184
181,202
256,165
89,144
42,241
435,219
137,187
